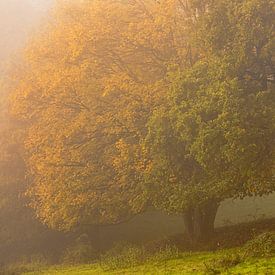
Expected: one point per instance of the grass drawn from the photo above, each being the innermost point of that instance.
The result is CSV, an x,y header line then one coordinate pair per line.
x,y
193,263
243,249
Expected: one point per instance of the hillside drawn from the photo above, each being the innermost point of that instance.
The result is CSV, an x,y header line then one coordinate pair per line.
x,y
243,249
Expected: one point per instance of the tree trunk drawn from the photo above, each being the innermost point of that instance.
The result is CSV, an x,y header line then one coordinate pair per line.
x,y
199,221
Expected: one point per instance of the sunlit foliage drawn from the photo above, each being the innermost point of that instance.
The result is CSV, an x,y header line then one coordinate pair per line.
x,y
132,103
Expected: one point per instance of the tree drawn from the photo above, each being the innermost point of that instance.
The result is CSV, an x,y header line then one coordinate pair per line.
x,y
215,138
130,103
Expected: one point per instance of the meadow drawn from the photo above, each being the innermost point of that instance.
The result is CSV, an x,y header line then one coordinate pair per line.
x,y
247,248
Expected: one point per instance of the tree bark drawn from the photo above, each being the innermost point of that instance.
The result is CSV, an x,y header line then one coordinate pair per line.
x,y
199,221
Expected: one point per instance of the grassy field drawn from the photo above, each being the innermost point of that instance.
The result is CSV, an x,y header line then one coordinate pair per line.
x,y
241,249
185,264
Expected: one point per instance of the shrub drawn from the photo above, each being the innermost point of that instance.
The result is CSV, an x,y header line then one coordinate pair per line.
x,y
223,262
166,253
79,254
229,260
261,246
123,255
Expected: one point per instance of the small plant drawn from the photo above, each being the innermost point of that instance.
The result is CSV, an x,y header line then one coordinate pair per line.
x,y
210,269
230,260
79,254
166,253
123,255
261,246
224,262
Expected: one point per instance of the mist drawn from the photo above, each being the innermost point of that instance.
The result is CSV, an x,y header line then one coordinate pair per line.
x,y
18,18
135,133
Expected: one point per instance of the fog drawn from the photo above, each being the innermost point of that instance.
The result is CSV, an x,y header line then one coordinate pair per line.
x,y
134,128
17,19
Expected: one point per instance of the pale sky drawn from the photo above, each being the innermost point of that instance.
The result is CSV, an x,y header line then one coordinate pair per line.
x,y
17,18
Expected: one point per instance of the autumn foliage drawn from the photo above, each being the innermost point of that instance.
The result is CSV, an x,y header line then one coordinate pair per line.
x,y
128,104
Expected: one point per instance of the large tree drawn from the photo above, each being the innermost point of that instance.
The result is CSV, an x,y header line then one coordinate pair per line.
x,y
166,102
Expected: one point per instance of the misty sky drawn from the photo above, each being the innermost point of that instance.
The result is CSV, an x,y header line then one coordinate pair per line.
x,y
17,18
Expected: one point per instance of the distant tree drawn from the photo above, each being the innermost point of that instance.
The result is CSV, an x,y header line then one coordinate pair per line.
x,y
215,137
17,222
21,233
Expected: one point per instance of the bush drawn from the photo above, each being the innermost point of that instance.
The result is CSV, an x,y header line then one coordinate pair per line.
x,y
261,246
229,260
166,253
123,255
224,262
79,254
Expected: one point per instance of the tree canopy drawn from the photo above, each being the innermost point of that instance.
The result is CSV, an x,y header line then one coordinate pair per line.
x,y
134,103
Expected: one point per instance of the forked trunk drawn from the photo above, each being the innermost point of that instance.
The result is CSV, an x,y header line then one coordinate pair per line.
x,y
199,221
